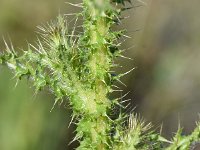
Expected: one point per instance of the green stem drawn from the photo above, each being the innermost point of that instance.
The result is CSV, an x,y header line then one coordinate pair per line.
x,y
95,125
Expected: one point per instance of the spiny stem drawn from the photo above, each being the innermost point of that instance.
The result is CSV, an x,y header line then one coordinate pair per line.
x,y
96,28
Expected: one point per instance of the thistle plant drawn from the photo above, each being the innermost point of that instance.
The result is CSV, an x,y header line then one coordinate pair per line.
x,y
78,67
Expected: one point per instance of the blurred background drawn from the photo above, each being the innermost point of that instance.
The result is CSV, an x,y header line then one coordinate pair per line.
x,y
164,87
